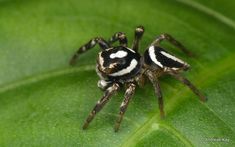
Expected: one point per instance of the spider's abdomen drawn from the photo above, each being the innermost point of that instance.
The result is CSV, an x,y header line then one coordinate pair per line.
x,y
157,56
118,63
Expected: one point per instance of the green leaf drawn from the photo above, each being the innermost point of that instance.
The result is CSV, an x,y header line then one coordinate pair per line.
x,y
44,102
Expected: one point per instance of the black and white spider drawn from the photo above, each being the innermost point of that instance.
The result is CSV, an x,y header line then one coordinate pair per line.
x,y
122,66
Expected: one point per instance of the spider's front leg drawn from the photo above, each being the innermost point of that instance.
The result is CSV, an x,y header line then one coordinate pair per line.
x,y
119,36
154,80
173,41
98,40
186,82
139,31
100,104
128,95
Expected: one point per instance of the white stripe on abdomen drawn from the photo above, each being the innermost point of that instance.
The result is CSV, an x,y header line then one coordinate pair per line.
x,y
153,56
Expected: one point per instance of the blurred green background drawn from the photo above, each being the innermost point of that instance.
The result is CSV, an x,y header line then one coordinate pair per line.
x,y
43,101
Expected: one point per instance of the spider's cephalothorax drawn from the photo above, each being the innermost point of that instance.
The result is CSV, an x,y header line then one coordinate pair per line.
x,y
120,65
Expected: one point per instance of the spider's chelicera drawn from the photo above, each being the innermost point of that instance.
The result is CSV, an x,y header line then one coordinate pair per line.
x,y
123,66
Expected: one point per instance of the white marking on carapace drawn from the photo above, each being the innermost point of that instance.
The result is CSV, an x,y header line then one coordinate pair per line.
x,y
101,60
172,57
98,71
127,70
118,54
153,56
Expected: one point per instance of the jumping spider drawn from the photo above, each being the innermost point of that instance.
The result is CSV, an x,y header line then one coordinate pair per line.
x,y
123,66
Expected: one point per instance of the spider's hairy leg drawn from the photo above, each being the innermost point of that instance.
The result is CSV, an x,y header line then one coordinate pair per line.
x,y
128,95
100,104
139,31
119,36
186,82
97,40
154,80
173,41
141,80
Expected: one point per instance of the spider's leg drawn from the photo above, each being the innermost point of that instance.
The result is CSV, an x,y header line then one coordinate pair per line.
x,y
128,95
119,36
173,41
139,31
98,40
158,91
141,81
100,104
186,82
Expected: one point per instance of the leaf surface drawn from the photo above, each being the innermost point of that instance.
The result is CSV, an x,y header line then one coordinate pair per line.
x,y
44,102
